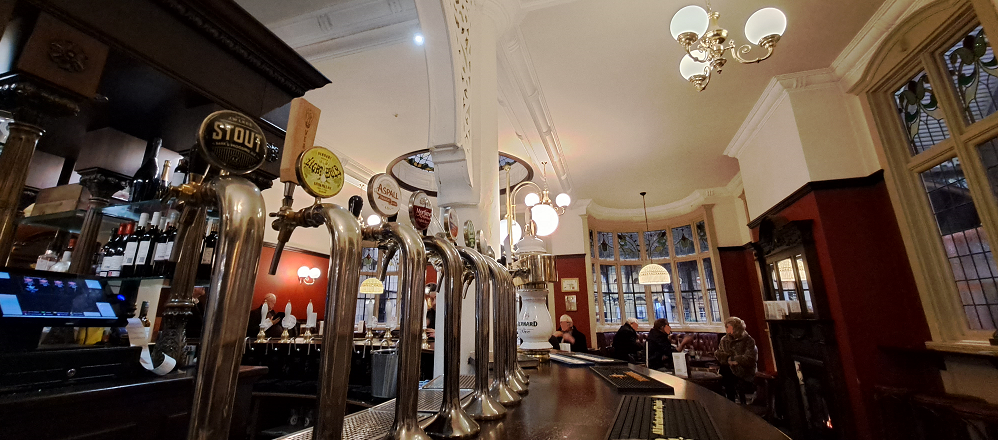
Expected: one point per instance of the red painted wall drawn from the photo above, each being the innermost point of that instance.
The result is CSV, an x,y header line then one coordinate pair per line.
x,y
285,283
871,291
573,266
287,288
743,291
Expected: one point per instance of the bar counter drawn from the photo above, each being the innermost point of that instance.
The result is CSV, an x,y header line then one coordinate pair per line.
x,y
574,403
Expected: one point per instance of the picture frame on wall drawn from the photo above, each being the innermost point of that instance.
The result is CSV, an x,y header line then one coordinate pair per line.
x,y
571,303
569,284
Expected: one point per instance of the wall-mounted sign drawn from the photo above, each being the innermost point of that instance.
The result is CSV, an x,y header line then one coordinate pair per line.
x,y
420,210
569,284
320,172
383,192
452,228
232,141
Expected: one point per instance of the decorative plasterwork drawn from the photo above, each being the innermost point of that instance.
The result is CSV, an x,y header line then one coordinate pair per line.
x,y
851,62
348,28
772,97
513,60
685,205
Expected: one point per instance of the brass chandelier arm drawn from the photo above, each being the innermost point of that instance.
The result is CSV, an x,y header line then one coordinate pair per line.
x,y
737,52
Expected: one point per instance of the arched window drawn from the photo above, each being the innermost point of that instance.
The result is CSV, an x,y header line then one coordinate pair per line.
x,y
932,88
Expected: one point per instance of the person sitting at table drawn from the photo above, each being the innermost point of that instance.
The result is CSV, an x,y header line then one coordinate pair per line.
x,y
659,346
569,335
738,355
273,330
625,342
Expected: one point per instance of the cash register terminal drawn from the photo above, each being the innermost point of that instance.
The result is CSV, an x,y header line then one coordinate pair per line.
x,y
32,300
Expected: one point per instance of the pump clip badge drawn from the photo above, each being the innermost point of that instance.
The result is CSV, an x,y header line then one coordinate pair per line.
x,y
452,225
420,210
383,192
320,172
232,142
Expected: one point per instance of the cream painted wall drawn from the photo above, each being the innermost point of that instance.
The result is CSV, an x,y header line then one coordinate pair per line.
x,y
835,145
730,222
569,238
773,164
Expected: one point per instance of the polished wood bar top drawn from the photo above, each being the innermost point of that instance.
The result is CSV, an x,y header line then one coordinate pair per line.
x,y
574,403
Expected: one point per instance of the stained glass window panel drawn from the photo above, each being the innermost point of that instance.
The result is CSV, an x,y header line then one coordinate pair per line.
x,y
682,239
689,286
629,247
715,308
702,237
608,285
973,67
967,246
920,114
657,244
605,245
369,260
663,298
988,152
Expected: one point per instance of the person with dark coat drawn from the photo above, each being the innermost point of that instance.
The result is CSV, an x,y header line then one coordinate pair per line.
x,y
625,342
275,330
659,345
738,355
569,335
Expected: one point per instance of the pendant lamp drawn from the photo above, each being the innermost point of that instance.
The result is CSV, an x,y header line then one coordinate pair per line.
x,y
652,273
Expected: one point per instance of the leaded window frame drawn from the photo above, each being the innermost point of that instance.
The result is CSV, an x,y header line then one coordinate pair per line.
x,y
920,43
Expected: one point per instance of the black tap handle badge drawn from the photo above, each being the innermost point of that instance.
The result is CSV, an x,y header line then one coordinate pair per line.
x,y
232,142
355,205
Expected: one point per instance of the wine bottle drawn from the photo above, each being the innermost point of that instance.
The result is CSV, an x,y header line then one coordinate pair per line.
x,y
143,256
132,246
208,252
163,266
108,251
163,186
145,183
118,252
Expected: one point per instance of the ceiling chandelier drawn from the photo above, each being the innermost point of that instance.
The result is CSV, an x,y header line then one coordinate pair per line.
x,y
705,48
652,273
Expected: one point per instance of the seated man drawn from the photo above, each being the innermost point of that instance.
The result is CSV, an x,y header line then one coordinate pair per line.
x,y
659,346
625,342
569,335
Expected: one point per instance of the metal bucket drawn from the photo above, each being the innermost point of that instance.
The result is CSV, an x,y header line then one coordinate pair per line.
x,y
384,373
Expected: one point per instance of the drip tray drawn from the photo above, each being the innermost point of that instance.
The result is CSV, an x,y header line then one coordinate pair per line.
x,y
641,417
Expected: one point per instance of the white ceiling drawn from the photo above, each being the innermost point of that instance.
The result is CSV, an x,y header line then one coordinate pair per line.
x,y
609,71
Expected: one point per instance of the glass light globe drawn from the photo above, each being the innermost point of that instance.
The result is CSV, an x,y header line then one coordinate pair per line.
x,y
504,233
314,273
763,23
546,219
689,67
531,199
303,271
689,19
373,220
563,200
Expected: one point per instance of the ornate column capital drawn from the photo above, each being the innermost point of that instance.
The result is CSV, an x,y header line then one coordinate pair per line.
x,y
102,183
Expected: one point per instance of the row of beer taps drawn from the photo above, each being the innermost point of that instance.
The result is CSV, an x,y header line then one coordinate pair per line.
x,y
458,266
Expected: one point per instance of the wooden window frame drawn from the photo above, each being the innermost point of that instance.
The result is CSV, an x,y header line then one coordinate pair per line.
x,y
703,213
919,44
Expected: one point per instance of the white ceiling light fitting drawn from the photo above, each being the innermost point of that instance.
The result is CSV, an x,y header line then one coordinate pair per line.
x,y
652,273
690,28
418,39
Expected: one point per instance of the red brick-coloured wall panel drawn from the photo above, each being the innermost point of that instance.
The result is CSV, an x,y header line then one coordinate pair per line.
x,y
573,266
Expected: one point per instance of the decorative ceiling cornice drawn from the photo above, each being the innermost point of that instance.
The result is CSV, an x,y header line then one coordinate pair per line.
x,y
772,97
680,207
348,28
851,62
